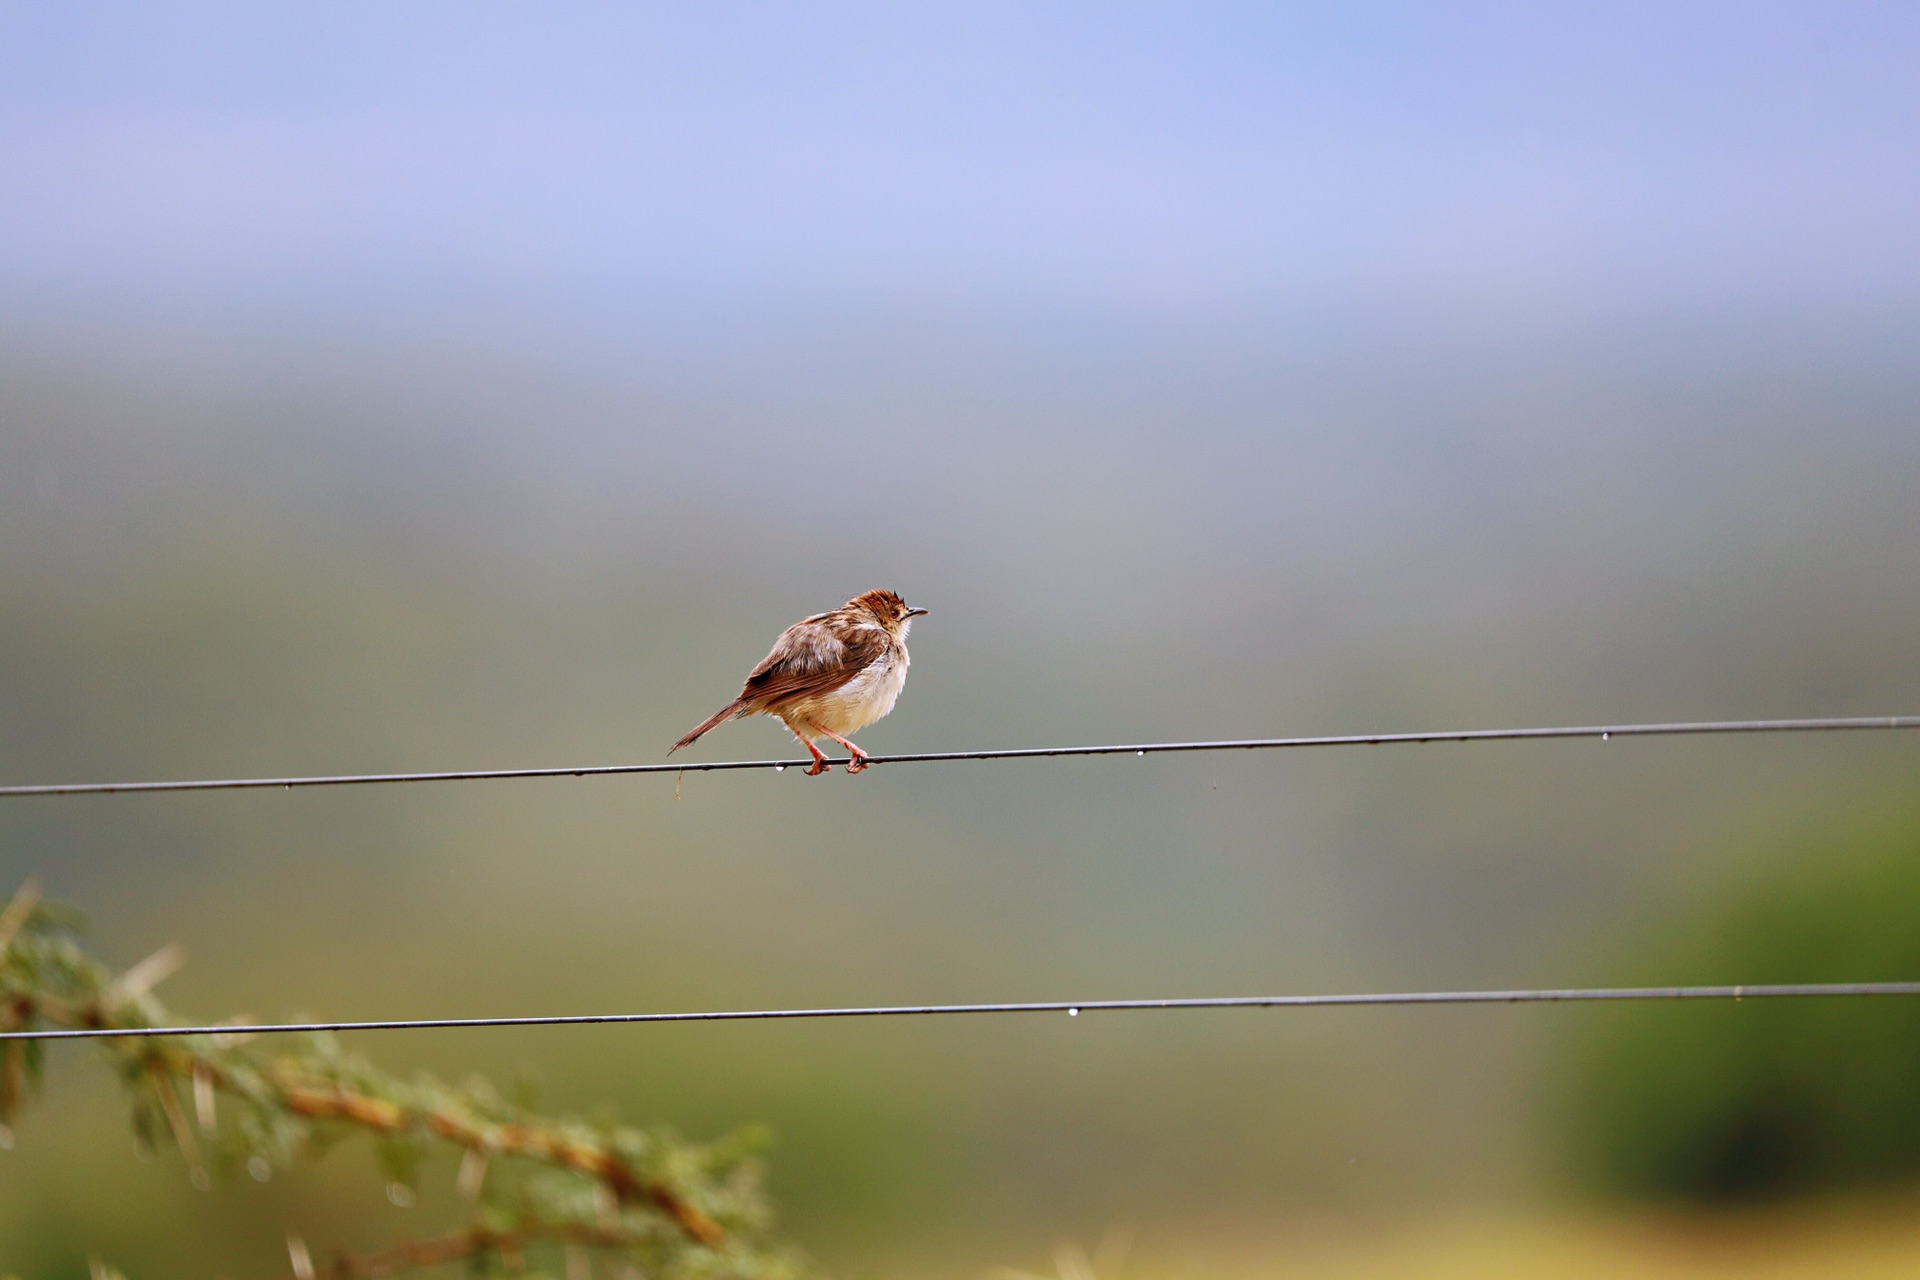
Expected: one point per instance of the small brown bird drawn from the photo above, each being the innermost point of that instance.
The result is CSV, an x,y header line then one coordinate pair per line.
x,y
833,674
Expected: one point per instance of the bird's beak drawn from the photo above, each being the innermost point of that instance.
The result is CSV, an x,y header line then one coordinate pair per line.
x,y
914,613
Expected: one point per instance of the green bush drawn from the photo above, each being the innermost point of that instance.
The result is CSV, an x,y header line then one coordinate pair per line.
x,y
1723,1102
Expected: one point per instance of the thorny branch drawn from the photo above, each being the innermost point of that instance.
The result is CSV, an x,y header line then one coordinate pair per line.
x,y
675,1209
472,1244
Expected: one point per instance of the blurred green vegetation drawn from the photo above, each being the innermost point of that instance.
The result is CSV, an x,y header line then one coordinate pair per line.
x,y
1766,1098
297,556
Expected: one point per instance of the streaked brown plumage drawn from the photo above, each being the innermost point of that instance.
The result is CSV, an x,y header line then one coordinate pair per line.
x,y
829,675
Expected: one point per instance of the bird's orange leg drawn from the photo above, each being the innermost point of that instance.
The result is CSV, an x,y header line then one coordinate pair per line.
x,y
859,760
820,764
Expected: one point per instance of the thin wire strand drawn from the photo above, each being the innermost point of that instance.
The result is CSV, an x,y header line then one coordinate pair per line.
x,y
1774,991
1602,732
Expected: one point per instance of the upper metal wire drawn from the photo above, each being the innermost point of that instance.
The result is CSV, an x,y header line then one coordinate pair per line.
x,y
1602,732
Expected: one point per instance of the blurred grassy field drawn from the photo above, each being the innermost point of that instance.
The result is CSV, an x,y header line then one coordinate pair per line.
x,y
283,561
1872,1241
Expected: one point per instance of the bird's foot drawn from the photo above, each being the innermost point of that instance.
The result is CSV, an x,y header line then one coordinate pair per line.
x,y
858,764
818,767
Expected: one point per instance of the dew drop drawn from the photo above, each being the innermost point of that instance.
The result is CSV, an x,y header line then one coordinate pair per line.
x,y
401,1194
779,768
1073,1013
1606,737
1142,754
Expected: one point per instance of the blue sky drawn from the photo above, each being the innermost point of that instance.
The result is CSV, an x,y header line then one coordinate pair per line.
x,y
1518,156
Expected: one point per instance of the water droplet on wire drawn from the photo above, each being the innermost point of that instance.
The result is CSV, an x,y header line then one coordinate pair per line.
x,y
1073,1013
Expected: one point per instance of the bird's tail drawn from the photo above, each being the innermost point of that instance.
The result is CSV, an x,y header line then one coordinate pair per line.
x,y
733,708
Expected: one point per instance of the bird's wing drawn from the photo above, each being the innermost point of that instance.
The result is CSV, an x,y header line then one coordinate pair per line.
x,y
812,657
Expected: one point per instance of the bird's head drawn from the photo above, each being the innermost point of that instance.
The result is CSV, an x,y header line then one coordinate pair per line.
x,y
888,609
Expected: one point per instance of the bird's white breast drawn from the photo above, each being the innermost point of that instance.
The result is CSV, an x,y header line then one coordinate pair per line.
x,y
865,698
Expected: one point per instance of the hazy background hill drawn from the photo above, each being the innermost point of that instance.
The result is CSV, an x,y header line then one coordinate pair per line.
x,y
364,406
